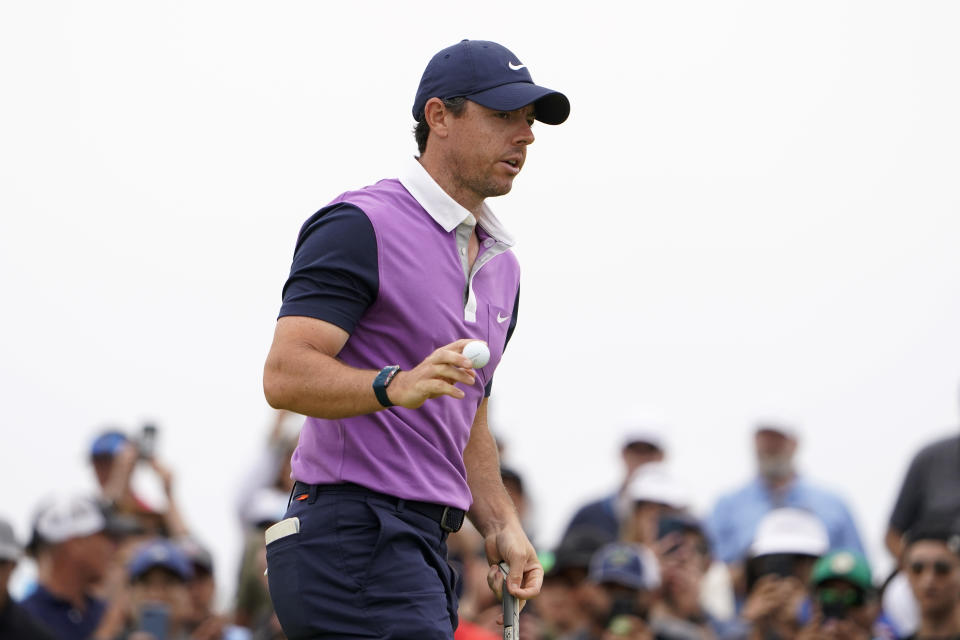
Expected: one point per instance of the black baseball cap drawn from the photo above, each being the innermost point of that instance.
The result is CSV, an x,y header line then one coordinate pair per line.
x,y
490,75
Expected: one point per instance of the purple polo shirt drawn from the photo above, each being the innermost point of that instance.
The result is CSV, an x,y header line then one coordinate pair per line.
x,y
388,264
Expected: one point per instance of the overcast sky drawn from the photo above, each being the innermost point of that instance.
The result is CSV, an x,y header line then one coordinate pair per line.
x,y
753,210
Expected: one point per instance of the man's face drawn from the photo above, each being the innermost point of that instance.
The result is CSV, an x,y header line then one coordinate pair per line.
x,y
637,454
93,554
487,148
102,466
774,454
934,574
158,585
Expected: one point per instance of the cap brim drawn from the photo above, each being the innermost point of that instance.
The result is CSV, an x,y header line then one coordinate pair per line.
x,y
552,107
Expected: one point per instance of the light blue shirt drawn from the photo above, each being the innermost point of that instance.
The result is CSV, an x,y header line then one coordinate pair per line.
x,y
735,516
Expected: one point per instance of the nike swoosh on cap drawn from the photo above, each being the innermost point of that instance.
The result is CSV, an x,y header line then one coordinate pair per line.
x,y
515,67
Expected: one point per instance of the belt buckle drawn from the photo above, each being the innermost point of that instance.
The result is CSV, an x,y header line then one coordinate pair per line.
x,y
457,523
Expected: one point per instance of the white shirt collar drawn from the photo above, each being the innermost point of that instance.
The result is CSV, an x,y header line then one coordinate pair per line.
x,y
446,211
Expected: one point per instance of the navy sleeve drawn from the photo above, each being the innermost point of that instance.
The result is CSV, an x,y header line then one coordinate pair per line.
x,y
334,276
513,325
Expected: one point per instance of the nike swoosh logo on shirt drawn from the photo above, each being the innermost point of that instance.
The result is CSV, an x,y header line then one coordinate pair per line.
x,y
515,67
500,319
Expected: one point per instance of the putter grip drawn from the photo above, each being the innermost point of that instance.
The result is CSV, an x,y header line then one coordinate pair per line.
x,y
511,617
511,610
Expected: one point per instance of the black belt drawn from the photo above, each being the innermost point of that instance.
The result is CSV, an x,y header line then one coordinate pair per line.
x,y
449,518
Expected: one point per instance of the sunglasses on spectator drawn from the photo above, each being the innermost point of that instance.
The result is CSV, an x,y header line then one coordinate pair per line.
x,y
940,567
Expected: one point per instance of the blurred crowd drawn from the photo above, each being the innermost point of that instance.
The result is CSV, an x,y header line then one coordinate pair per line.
x,y
779,558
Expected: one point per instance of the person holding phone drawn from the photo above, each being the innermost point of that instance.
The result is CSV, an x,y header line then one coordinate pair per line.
x,y
787,544
845,602
388,285
159,572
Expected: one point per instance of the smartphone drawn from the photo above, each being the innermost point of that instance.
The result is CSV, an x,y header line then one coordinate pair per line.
x,y
511,609
155,619
147,444
778,564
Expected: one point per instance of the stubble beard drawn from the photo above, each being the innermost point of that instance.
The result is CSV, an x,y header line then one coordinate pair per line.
x,y
484,186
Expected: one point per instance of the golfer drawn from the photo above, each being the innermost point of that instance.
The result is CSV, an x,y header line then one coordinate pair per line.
x,y
388,284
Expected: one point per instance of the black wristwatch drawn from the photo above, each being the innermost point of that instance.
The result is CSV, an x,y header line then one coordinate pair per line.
x,y
382,381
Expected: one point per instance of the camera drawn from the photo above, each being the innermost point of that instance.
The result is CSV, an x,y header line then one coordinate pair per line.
x,y
147,442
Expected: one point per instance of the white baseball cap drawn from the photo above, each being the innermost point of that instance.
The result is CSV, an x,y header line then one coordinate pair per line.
x,y
73,516
790,530
653,482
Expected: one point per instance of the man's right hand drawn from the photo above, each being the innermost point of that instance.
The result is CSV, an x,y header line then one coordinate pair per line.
x,y
435,376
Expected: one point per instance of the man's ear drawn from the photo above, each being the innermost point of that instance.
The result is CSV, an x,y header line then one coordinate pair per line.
x,y
436,116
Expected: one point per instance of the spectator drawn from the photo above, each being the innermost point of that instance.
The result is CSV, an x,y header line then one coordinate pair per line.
x,y
787,544
261,502
653,492
639,448
932,565
15,621
203,622
619,602
930,490
564,597
845,602
735,517
114,458
684,558
74,543
159,598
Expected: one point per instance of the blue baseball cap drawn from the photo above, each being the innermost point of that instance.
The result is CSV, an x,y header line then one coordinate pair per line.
x,y
490,75
163,554
107,443
618,563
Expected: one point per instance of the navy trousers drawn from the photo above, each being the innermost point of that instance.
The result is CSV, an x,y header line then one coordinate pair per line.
x,y
362,566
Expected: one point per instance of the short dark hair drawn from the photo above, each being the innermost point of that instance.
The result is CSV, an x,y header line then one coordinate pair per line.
x,y
455,106
940,529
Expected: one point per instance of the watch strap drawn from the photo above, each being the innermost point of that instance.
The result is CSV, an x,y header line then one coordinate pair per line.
x,y
382,381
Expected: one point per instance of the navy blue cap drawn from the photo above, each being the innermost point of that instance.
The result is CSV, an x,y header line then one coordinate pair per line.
x,y
107,443
618,563
160,553
490,75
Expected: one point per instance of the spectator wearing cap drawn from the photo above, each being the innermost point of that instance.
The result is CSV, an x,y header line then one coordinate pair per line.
x,y
845,602
114,457
787,544
565,595
653,492
932,565
620,601
202,621
159,572
735,516
15,621
74,539
683,553
639,448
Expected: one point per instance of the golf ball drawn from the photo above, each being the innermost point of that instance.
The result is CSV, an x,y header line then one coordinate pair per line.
x,y
478,352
